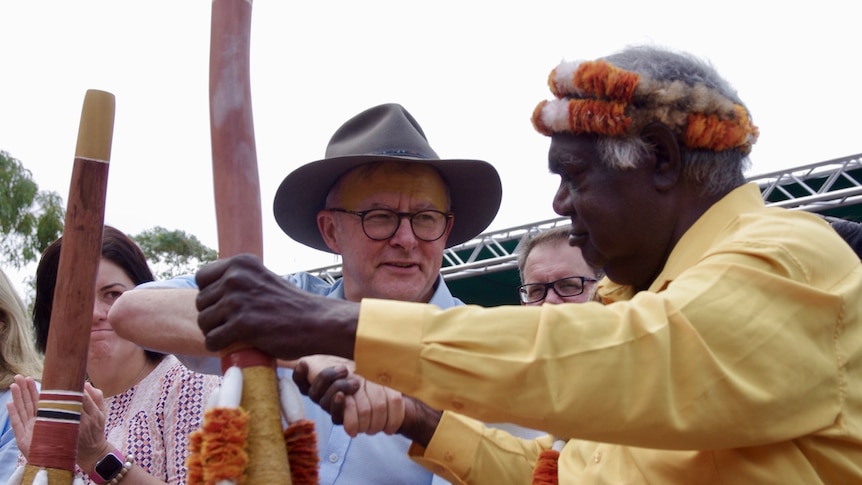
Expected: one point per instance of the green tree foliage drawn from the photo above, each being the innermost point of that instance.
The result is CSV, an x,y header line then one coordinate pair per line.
x,y
30,219
173,253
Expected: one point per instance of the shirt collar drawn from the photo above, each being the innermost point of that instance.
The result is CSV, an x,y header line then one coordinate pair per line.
x,y
442,297
695,242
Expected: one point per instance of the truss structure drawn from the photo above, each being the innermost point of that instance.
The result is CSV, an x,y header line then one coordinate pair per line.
x,y
816,187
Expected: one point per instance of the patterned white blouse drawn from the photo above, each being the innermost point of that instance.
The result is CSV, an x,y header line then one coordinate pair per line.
x,y
152,420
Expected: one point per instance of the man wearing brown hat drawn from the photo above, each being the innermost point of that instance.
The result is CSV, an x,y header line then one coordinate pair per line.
x,y
386,202
728,348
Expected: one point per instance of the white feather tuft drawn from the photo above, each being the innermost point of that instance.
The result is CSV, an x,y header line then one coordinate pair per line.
x,y
41,477
230,393
291,400
564,76
17,476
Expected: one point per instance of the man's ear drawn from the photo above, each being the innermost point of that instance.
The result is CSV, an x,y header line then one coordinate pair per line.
x,y
326,226
667,168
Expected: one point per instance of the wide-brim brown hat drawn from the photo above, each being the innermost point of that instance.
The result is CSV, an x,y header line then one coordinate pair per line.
x,y
385,132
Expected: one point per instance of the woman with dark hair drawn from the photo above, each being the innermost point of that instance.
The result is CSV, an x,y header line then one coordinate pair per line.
x,y
151,401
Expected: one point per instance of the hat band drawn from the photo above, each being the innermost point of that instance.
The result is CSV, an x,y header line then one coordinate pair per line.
x,y
403,153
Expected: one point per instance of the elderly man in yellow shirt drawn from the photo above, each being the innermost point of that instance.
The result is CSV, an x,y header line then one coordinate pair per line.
x,y
729,345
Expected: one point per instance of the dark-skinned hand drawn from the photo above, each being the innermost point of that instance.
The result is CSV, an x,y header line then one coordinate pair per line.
x,y
362,406
357,404
242,302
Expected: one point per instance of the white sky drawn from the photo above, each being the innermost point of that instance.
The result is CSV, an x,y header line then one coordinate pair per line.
x,y
471,72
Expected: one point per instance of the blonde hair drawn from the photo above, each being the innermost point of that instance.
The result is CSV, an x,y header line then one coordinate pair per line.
x,y
17,349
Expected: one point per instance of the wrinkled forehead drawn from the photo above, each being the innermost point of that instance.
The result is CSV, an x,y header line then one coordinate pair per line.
x,y
413,180
573,149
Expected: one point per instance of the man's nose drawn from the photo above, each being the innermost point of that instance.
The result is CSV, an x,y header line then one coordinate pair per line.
x,y
562,202
404,233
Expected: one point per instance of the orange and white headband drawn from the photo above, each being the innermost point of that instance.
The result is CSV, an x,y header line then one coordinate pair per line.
x,y
599,98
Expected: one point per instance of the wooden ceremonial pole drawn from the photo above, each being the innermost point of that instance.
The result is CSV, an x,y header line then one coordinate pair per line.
x,y
53,447
238,214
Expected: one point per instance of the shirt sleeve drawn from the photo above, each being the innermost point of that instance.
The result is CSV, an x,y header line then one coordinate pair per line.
x,y
667,369
183,281
464,450
8,449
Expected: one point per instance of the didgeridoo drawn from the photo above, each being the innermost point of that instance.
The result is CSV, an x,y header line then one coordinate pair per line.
x,y
238,214
54,444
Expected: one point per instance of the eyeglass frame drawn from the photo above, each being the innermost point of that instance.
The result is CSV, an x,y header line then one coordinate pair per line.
x,y
447,216
553,285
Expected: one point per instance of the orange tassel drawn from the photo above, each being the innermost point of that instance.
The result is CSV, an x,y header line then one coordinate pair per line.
x,y
598,116
226,431
604,80
217,449
195,474
545,472
301,442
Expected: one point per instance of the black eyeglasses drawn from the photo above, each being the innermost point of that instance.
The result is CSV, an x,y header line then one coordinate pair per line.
x,y
571,286
381,224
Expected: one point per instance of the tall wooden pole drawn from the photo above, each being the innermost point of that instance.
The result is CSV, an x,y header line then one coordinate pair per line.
x,y
54,444
238,213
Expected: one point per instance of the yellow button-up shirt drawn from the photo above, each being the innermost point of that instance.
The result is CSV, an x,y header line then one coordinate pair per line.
x,y
741,364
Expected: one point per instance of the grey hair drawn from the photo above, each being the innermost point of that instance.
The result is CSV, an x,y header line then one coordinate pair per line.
x,y
715,172
532,240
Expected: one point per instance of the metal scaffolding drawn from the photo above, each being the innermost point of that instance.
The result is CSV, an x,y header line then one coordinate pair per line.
x,y
816,187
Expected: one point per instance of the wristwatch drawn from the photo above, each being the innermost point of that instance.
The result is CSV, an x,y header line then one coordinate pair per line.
x,y
108,467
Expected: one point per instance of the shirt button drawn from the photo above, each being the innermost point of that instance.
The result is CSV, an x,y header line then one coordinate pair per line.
x,y
333,458
597,457
383,378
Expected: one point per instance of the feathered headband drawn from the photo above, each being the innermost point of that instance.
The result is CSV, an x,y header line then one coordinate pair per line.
x,y
597,97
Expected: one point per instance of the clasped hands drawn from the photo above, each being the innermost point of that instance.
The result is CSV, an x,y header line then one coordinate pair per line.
x,y
359,405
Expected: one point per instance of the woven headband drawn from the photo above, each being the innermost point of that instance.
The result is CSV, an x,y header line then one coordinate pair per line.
x,y
599,98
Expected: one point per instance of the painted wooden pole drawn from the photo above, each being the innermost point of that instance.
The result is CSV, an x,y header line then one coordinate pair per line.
x,y
238,213
53,448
